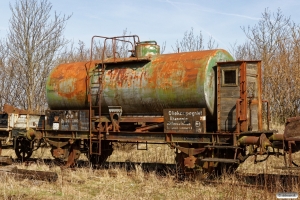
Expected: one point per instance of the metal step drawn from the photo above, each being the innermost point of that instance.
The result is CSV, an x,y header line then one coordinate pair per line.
x,y
221,147
94,94
223,160
95,141
96,151
93,119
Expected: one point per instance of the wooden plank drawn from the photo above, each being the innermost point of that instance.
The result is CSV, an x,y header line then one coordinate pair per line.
x,y
229,94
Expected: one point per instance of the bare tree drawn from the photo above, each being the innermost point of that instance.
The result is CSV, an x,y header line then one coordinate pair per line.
x,y
82,51
74,54
34,39
276,41
3,76
10,92
211,44
192,42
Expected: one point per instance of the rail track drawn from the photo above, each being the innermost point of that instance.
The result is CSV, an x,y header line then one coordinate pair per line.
x,y
269,182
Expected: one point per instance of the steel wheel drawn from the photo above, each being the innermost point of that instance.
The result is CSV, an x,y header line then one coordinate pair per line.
x,y
23,149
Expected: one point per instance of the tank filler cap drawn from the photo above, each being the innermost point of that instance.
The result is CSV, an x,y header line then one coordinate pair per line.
x,y
147,48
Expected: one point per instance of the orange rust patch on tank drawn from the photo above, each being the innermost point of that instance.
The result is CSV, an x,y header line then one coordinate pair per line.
x,y
121,76
69,80
170,67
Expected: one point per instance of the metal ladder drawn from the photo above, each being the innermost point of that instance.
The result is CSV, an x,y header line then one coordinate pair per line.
x,y
95,143
100,71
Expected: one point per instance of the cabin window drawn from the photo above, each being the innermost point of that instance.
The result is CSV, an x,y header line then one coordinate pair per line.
x,y
229,77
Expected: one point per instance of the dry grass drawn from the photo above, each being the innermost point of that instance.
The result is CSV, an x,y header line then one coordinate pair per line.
x,y
119,183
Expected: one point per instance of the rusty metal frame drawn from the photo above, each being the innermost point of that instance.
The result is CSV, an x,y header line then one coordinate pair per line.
x,y
238,112
268,114
243,96
150,137
218,98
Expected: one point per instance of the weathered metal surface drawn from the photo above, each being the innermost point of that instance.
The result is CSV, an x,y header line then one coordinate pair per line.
x,y
11,109
191,120
277,136
262,141
26,121
23,148
221,147
150,127
150,137
4,120
182,80
6,124
157,119
19,119
30,134
66,86
168,137
73,156
292,129
147,48
189,162
249,140
70,120
60,153
190,151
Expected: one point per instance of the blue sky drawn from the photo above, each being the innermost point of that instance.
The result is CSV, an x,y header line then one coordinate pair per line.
x,y
161,20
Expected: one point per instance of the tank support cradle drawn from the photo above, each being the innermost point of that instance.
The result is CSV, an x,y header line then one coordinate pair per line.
x,y
189,161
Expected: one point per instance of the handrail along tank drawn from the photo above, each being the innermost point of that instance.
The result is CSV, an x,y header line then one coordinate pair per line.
x,y
141,85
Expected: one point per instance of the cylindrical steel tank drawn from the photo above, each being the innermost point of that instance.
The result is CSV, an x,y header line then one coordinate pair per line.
x,y
179,80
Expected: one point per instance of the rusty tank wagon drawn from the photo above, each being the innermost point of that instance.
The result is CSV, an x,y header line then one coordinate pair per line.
x,y
203,104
